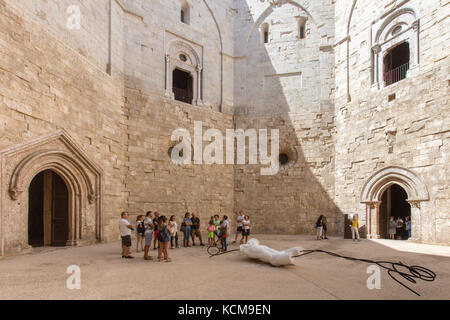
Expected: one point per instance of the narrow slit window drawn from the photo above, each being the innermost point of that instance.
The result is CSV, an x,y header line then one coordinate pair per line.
x,y
265,33
302,29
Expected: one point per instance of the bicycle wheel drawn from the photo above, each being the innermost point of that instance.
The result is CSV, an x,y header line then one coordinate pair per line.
x,y
213,251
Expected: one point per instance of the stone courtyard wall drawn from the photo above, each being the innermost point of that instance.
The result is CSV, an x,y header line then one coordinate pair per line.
x,y
47,86
412,130
287,84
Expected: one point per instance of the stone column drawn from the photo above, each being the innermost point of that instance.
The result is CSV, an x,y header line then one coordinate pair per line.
x,y
199,101
414,43
376,64
375,220
169,90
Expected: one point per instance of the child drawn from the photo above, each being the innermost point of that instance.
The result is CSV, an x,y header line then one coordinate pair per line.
x,y
211,232
174,232
217,225
245,229
140,231
163,239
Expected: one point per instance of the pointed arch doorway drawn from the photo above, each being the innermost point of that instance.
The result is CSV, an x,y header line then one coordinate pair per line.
x,y
408,196
394,204
48,210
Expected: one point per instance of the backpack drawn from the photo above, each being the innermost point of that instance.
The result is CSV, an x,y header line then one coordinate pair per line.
x,y
140,228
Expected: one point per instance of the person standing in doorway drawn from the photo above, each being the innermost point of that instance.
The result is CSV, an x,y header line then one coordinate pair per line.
x,y
399,228
125,232
408,226
195,231
355,228
392,228
148,235
239,230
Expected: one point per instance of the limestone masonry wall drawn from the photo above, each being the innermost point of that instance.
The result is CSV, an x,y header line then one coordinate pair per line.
x,y
315,70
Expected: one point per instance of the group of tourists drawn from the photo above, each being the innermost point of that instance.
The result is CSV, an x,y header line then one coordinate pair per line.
x,y
399,229
162,232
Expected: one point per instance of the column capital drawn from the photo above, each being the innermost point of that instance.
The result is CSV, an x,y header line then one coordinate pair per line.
x,y
376,49
199,68
415,25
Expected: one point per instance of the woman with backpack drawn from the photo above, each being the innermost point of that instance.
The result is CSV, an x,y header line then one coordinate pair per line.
x,y
164,239
140,231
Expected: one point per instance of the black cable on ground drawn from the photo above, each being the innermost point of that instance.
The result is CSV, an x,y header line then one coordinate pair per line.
x,y
410,273
413,272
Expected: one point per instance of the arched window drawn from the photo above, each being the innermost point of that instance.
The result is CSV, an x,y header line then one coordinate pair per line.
x,y
395,49
265,33
396,64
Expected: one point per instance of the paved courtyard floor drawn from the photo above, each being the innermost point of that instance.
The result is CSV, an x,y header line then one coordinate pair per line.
x,y
193,275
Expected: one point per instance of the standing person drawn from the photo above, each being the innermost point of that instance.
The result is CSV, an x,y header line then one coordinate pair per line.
x,y
163,239
125,232
225,229
324,227
392,228
148,235
239,230
217,225
187,223
399,227
155,229
173,232
211,232
319,227
355,228
140,232
195,229
245,229
408,226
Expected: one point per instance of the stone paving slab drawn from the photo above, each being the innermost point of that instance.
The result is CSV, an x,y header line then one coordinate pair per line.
x,y
193,275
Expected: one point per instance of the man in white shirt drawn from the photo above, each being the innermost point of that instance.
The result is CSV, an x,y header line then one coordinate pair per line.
x,y
240,218
125,232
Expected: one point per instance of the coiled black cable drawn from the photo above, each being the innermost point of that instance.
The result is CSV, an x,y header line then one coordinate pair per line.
x,y
410,273
393,268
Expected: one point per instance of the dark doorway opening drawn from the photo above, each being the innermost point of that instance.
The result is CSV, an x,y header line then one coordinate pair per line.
x,y
48,210
394,204
396,64
183,86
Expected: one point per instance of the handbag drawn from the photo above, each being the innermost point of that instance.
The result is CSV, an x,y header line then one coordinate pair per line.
x,y
183,227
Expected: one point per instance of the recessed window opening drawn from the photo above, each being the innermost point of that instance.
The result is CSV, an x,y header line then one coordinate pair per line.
x,y
265,32
183,57
182,86
396,64
185,13
397,30
302,29
283,159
